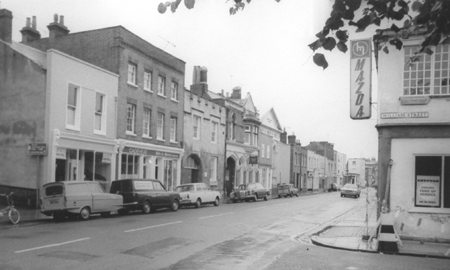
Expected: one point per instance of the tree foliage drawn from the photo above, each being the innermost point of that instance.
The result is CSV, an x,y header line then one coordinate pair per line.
x,y
430,18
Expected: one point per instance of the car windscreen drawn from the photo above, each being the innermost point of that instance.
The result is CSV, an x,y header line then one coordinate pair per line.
x,y
350,186
143,185
184,188
54,190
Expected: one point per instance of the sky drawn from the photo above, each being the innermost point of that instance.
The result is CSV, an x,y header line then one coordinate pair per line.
x,y
263,49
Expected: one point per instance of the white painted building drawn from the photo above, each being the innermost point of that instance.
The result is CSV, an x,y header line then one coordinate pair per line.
x,y
414,136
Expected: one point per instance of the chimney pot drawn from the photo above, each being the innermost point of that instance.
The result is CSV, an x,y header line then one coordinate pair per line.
x,y
61,19
33,23
55,18
28,22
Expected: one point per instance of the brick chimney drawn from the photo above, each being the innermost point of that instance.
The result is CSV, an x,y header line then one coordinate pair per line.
x,y
236,93
6,25
291,139
200,81
283,136
29,31
57,28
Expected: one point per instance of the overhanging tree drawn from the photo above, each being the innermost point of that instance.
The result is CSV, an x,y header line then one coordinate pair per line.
x,y
430,18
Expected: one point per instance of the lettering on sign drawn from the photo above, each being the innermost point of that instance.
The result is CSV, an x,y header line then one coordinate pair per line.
x,y
360,79
145,152
428,190
37,149
396,115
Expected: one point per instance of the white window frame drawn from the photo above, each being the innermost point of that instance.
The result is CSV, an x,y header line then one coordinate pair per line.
x,y
76,108
173,129
133,119
132,74
196,124
148,80
160,126
147,122
428,70
102,114
161,85
174,91
214,131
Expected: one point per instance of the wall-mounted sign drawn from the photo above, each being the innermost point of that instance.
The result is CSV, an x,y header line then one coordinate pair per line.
x,y
61,153
360,79
145,152
428,190
37,149
396,115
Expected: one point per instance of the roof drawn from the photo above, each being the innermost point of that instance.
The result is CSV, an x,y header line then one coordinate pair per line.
x,y
36,56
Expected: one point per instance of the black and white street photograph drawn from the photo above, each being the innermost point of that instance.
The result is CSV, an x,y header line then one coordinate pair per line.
x,y
219,135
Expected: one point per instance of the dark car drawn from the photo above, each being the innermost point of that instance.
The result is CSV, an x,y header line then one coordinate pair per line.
x,y
287,190
250,192
146,195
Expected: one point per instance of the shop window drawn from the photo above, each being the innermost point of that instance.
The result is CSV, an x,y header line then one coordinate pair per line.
x,y
432,181
129,166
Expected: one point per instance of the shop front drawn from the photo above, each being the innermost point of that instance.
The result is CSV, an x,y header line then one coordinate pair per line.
x,y
81,158
140,160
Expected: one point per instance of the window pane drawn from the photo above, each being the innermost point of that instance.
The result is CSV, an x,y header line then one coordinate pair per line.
x,y
428,181
72,96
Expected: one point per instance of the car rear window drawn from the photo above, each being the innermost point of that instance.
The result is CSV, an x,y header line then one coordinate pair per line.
x,y
54,190
185,188
143,185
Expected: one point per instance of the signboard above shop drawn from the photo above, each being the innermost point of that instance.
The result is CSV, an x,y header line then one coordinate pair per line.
x,y
360,79
37,149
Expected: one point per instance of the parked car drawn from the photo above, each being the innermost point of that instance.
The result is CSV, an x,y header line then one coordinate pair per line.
x,y
77,198
146,195
287,190
197,194
253,191
350,190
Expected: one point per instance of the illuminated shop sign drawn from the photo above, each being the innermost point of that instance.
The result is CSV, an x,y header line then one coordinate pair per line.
x,y
360,79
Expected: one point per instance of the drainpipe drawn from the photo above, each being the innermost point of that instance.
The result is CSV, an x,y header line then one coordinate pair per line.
x,y
225,153
385,204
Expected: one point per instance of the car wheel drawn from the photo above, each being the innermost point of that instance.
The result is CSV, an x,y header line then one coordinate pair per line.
x,y
175,205
357,196
216,201
265,197
279,195
85,213
146,208
198,203
290,195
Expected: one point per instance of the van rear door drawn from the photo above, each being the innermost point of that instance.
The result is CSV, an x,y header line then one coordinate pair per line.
x,y
53,197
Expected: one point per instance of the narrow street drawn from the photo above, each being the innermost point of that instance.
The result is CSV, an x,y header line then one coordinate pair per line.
x,y
256,235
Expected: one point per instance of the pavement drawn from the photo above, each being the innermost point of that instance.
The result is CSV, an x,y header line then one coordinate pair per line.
x,y
347,234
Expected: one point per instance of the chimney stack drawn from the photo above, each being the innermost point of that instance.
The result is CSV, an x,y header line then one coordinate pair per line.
x,y
291,139
29,31
200,81
283,136
6,25
236,93
57,29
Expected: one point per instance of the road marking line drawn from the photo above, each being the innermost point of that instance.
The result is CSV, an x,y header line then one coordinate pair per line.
x,y
52,245
154,226
224,214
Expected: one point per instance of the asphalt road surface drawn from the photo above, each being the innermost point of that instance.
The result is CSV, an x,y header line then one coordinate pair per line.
x,y
255,235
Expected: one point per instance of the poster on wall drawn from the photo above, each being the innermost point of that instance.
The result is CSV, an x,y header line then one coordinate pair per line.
x,y
428,190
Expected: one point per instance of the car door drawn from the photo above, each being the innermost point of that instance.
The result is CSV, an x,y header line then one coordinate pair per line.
x,y
160,195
